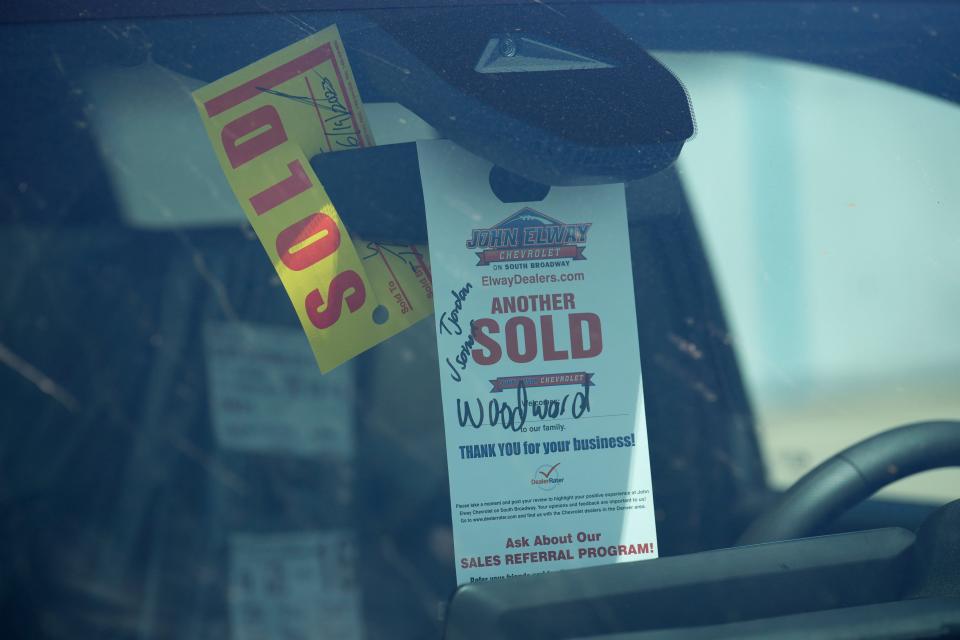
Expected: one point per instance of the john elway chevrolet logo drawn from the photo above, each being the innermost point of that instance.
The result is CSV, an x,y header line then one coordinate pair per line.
x,y
529,235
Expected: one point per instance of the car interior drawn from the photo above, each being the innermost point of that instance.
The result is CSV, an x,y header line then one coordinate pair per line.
x,y
121,500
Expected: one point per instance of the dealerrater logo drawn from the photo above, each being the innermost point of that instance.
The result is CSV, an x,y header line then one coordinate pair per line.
x,y
547,477
529,234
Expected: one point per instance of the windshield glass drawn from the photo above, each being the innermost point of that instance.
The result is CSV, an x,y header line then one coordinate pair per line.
x,y
175,464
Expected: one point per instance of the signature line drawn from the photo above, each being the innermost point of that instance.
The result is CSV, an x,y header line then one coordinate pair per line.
x,y
423,265
313,99
395,279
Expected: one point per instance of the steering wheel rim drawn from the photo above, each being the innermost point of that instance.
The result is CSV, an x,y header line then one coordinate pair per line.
x,y
855,474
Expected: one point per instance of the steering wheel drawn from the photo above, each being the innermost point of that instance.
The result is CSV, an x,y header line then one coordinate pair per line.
x,y
855,474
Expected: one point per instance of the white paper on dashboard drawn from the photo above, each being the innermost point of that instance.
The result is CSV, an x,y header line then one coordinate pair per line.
x,y
294,585
542,398
267,395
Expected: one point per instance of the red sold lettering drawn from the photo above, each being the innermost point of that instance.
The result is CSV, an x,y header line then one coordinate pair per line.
x,y
529,339
583,343
550,351
293,185
318,228
593,331
315,237
240,151
480,329
342,283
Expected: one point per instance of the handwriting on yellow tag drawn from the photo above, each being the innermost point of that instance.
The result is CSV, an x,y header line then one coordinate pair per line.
x,y
265,121
400,273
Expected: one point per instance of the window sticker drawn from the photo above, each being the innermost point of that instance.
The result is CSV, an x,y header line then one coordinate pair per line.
x,y
266,394
540,373
294,585
265,121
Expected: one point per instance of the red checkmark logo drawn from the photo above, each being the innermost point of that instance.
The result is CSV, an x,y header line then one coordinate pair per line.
x,y
547,474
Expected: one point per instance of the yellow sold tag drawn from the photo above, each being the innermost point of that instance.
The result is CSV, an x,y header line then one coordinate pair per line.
x,y
400,273
265,121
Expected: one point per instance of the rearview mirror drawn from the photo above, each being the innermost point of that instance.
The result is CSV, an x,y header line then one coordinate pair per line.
x,y
557,96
